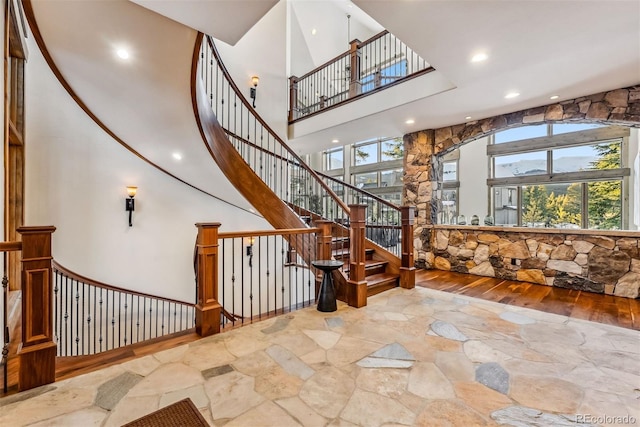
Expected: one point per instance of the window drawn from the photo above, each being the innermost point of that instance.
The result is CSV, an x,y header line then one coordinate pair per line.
x,y
392,149
391,178
520,164
450,188
573,127
449,206
365,154
375,166
588,157
505,209
605,205
450,171
566,180
518,134
334,159
366,180
384,75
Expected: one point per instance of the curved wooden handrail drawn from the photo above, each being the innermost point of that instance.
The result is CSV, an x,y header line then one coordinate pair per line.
x,y
279,232
260,120
237,171
362,95
329,62
338,57
374,38
257,147
10,246
83,279
35,30
359,190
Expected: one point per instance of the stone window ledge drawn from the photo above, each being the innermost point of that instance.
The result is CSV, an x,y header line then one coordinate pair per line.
x,y
532,230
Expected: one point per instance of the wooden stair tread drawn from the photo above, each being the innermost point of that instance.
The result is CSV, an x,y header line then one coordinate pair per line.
x,y
381,279
344,253
381,282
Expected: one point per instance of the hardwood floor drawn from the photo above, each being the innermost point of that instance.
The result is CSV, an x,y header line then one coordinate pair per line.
x,y
618,311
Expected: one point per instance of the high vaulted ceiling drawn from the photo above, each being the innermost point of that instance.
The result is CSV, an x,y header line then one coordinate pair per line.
x,y
537,48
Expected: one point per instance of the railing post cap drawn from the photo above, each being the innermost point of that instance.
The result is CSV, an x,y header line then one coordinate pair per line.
x,y
32,229
208,224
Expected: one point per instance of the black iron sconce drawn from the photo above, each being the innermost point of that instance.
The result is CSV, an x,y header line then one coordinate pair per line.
x,y
253,91
129,204
250,241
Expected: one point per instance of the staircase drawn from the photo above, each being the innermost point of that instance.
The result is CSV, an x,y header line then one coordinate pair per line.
x,y
287,192
376,274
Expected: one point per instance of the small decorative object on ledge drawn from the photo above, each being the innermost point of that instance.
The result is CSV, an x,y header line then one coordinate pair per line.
x,y
462,220
475,220
488,220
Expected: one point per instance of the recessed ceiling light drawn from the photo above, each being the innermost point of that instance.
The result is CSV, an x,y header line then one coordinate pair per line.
x,y
252,211
511,95
410,121
335,141
468,118
479,57
177,156
313,31
122,53
554,97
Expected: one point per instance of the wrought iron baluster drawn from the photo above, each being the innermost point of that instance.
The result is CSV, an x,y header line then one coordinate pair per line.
x,y
101,317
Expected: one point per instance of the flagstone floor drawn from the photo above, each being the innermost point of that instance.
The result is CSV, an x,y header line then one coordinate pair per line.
x,y
411,357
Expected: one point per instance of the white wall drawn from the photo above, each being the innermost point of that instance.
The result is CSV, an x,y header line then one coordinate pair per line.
x,y
75,179
473,173
256,54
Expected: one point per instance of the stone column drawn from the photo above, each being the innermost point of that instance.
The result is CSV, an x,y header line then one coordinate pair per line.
x,y
418,182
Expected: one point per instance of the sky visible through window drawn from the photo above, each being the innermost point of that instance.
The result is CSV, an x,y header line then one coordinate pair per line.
x,y
527,132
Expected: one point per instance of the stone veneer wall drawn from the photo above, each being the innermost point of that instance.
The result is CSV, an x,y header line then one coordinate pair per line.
x,y
608,262
422,149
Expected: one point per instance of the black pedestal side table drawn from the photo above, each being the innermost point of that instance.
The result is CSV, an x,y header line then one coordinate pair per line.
x,y
327,294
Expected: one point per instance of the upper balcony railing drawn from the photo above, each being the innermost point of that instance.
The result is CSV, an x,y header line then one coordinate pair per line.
x,y
367,67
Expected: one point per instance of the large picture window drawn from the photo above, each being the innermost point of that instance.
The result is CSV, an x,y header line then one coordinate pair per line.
x,y
334,159
575,176
375,166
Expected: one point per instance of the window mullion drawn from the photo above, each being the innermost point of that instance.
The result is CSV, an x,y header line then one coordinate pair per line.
x,y
585,205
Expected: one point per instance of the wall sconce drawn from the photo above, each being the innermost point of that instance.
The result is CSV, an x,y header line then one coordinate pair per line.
x,y
254,89
250,241
129,204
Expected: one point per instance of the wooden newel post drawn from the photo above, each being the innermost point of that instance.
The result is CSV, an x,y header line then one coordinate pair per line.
x,y
37,351
293,97
407,267
355,86
323,250
357,284
208,309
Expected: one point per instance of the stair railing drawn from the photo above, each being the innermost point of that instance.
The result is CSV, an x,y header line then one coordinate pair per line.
x,y
247,276
4,248
369,66
91,317
262,149
383,219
